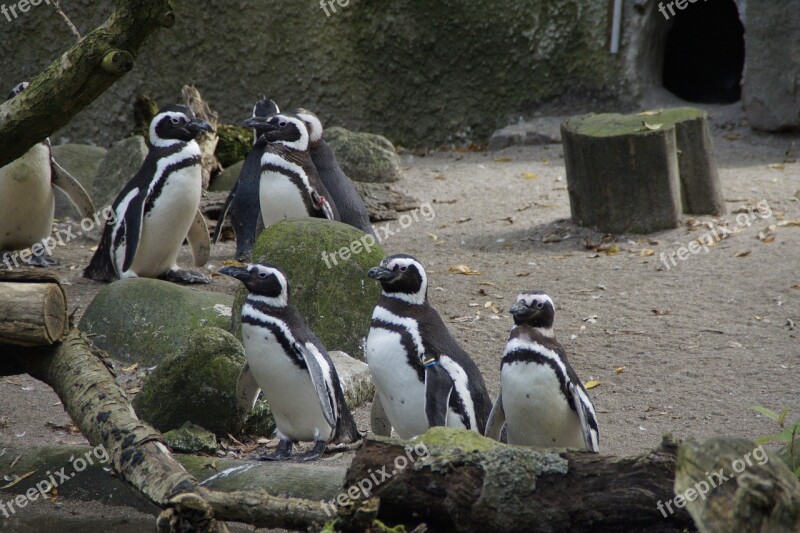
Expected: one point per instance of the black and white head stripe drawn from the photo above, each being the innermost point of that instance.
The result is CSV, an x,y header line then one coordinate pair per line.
x,y
18,89
290,131
269,285
168,126
537,299
409,283
313,124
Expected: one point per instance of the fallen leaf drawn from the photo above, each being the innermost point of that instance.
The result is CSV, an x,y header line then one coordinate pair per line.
x,y
647,252
743,253
796,286
131,368
613,249
777,166
591,384
732,136
590,319
529,175
785,223
659,312
463,269
439,177
20,478
653,127
433,236
502,159
648,113
619,370
232,263
759,318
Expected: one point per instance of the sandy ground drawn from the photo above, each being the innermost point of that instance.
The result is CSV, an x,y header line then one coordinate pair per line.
x,y
686,350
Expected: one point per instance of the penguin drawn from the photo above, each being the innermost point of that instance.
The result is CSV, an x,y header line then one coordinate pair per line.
x,y
422,376
27,199
243,200
158,208
291,366
541,402
290,186
344,195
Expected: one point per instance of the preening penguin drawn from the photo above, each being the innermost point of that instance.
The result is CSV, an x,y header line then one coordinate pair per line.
x,y
290,186
291,366
542,402
421,374
243,202
344,195
27,201
158,208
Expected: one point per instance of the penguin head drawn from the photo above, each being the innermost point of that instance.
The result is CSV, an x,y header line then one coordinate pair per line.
x,y
402,277
283,128
535,309
18,89
263,280
312,122
264,108
176,123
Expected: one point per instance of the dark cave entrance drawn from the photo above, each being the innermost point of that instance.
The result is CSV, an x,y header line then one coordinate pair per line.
x,y
704,52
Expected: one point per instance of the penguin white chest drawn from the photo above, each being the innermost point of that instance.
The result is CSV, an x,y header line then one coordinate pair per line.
x,y
27,201
280,198
396,382
165,225
287,387
537,412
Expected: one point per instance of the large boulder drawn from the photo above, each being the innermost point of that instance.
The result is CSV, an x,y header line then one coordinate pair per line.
x,y
326,263
225,180
196,384
119,165
364,156
143,320
82,162
234,144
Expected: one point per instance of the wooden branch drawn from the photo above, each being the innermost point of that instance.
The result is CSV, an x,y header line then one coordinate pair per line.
x,y
80,75
494,487
207,141
67,21
33,308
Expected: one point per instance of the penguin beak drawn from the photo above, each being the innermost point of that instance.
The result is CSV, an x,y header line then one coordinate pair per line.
x,y
256,123
520,309
198,125
239,273
381,273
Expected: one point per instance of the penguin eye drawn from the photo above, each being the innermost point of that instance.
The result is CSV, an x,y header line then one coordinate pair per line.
x,y
262,275
539,305
403,269
175,120
282,124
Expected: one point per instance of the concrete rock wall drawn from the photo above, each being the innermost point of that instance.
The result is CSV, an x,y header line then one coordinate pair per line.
x,y
416,71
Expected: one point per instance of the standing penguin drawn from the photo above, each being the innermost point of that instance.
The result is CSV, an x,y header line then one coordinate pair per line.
x,y
158,208
421,374
344,195
542,402
27,200
290,186
291,366
243,201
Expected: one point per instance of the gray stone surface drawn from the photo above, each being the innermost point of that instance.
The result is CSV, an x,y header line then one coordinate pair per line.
x,y
190,438
771,90
364,157
526,133
119,165
225,180
82,162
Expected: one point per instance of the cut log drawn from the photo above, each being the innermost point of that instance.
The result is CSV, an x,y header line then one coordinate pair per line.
x,y
456,480
638,173
33,308
730,485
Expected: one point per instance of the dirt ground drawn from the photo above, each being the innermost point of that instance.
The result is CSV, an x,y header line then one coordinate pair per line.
x,y
686,349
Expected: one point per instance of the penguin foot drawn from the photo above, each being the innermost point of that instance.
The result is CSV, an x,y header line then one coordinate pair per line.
x,y
43,261
282,453
315,453
185,276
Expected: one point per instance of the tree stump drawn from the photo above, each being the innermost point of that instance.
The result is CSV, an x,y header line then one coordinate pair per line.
x,y
33,308
639,173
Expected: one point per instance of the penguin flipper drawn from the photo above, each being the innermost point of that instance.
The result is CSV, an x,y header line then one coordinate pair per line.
x,y
583,407
199,240
247,389
437,380
224,213
132,226
321,385
72,188
497,419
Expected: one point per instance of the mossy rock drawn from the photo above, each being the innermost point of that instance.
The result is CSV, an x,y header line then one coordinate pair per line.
x,y
336,302
234,144
120,164
364,157
225,180
190,438
197,384
143,320
82,162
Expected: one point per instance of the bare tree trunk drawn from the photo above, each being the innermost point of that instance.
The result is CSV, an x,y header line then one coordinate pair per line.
x,y
79,76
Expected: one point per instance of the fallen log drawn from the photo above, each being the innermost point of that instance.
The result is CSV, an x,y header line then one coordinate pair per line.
x,y
33,308
456,480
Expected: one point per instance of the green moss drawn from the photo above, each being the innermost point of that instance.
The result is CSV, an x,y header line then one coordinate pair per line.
x,y
191,439
334,295
234,144
443,439
364,156
614,124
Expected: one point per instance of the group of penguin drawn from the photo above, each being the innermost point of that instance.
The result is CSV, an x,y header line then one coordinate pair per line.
x,y
422,376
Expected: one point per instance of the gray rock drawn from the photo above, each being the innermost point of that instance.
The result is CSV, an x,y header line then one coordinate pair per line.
x,y
772,62
190,438
119,165
528,133
82,162
364,156
225,180
326,263
144,320
196,384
